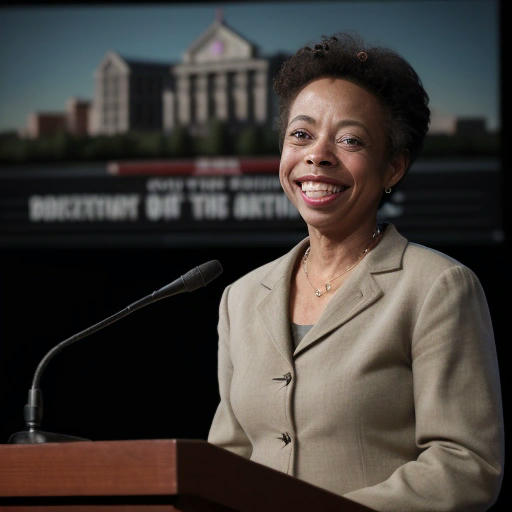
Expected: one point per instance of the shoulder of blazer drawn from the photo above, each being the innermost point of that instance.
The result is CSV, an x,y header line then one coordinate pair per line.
x,y
395,252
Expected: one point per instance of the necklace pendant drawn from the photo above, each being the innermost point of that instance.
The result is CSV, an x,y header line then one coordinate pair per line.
x,y
327,286
318,293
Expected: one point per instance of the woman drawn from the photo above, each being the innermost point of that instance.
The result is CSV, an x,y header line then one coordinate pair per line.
x,y
360,362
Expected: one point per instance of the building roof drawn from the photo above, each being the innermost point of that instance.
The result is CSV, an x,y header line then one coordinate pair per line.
x,y
128,64
219,42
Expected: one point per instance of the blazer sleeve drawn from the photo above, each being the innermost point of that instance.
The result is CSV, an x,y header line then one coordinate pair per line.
x,y
459,423
225,430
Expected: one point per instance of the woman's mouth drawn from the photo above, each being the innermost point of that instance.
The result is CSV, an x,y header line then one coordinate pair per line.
x,y
319,192
315,189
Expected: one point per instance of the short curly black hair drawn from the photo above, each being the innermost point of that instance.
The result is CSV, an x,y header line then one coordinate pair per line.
x,y
380,71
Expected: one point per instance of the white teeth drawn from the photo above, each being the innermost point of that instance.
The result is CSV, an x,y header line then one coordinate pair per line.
x,y
319,189
317,193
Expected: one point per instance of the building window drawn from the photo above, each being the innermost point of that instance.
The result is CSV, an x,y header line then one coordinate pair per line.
x,y
250,96
230,90
211,96
192,96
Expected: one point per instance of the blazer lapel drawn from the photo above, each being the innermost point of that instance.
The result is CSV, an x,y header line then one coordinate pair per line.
x,y
357,294
273,310
361,290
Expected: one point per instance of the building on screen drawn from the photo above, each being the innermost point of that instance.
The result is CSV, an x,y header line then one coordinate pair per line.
x,y
221,77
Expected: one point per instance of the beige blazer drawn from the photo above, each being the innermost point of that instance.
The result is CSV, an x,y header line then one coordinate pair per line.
x,y
391,399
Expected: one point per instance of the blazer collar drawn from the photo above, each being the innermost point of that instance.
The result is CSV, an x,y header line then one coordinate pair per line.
x,y
359,292
388,254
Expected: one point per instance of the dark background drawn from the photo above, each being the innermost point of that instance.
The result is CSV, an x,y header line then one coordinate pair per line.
x,y
154,374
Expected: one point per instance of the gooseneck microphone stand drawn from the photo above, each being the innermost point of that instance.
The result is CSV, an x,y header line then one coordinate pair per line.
x,y
33,411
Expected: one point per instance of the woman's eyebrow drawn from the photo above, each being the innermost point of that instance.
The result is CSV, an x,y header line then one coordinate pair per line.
x,y
352,122
303,117
341,124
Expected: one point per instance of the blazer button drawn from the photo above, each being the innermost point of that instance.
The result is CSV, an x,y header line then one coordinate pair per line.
x,y
285,437
286,378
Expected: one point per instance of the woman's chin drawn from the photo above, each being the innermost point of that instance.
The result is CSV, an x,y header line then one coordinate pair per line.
x,y
323,222
334,222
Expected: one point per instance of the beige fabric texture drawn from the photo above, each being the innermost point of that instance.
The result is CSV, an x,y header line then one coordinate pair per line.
x,y
394,399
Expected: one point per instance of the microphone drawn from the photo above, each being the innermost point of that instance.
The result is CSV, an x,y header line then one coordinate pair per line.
x,y
196,278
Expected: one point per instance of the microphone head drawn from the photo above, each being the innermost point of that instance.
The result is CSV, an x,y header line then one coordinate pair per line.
x,y
202,275
196,278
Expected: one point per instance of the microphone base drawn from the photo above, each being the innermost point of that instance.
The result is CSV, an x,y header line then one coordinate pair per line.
x,y
40,437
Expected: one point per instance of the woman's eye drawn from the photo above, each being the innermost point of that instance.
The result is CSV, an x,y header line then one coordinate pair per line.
x,y
299,134
351,141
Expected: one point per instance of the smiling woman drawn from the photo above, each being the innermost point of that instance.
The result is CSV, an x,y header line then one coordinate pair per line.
x,y
334,163
360,362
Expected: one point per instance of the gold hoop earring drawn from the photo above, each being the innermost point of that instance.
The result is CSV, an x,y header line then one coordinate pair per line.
x,y
388,190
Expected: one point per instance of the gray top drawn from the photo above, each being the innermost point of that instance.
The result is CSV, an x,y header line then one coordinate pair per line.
x,y
298,332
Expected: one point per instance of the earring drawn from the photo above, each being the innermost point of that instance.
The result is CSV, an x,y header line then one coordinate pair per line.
x,y
388,190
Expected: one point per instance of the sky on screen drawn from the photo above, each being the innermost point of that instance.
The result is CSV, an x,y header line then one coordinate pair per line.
x,y
49,53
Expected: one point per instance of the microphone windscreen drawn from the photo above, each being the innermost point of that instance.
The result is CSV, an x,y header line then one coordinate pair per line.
x,y
202,275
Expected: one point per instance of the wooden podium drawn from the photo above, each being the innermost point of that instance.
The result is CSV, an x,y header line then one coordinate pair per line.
x,y
150,475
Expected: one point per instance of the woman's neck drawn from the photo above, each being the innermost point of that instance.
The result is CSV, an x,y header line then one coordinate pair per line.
x,y
329,254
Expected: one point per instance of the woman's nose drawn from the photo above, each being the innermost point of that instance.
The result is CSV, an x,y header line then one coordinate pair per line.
x,y
321,154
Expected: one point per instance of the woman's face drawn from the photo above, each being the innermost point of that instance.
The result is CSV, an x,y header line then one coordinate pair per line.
x,y
334,164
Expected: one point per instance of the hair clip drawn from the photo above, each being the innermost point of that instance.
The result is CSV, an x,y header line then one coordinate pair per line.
x,y
362,56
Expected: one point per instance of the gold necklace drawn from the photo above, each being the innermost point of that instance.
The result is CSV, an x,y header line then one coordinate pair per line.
x,y
328,284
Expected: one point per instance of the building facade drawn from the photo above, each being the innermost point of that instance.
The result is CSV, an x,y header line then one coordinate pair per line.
x,y
220,78
77,116
44,124
128,95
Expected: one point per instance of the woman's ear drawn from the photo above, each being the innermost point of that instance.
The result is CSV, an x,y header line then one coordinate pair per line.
x,y
397,168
